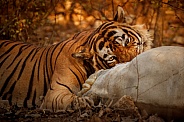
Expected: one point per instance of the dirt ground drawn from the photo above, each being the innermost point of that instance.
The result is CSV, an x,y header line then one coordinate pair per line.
x,y
93,115
122,111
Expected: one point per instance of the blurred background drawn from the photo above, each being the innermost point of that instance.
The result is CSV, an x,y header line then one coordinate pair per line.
x,y
45,22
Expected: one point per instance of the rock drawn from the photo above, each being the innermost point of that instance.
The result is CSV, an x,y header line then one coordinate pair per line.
x,y
154,80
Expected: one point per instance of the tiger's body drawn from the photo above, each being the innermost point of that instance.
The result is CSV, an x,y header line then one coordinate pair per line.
x,y
57,72
27,70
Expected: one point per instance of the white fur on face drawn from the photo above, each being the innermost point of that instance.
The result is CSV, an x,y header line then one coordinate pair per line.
x,y
122,37
106,53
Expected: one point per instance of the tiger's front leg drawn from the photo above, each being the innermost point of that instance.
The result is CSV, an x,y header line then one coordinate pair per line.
x,y
62,96
57,99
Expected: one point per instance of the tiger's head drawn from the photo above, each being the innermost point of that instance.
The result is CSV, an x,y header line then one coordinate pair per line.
x,y
114,42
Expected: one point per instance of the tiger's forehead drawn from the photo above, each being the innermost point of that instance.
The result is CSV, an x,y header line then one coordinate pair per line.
x,y
116,32
110,31
114,27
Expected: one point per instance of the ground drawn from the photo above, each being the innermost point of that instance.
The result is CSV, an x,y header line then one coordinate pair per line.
x,y
122,111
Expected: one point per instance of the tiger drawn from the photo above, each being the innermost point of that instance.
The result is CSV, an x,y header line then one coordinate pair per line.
x,y
50,77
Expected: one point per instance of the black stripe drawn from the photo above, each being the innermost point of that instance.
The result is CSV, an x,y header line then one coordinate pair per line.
x,y
12,87
20,49
53,106
65,86
9,42
29,92
88,68
2,44
97,62
60,52
93,44
87,40
107,29
131,29
9,50
78,79
46,74
52,52
4,97
101,45
56,102
74,43
8,78
104,32
34,99
45,81
2,62
27,46
80,71
111,33
79,39
111,27
23,65
115,37
92,38
39,61
47,65
102,63
76,35
10,92
36,50
135,34
126,31
105,25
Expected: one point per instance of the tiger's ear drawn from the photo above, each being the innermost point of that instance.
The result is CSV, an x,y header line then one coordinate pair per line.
x,y
83,54
120,15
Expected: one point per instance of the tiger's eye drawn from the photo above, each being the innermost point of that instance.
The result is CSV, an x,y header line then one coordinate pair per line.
x,y
127,41
111,58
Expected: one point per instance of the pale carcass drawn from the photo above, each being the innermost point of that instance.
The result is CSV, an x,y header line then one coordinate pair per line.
x,y
154,79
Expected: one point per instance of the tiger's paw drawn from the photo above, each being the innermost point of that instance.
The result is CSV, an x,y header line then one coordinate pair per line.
x,y
4,104
82,102
88,83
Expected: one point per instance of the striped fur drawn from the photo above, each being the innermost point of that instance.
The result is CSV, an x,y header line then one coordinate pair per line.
x,y
57,72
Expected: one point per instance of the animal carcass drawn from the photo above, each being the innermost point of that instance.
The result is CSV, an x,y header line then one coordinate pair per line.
x,y
154,79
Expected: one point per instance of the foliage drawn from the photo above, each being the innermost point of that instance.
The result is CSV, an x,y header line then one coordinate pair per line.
x,y
48,21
